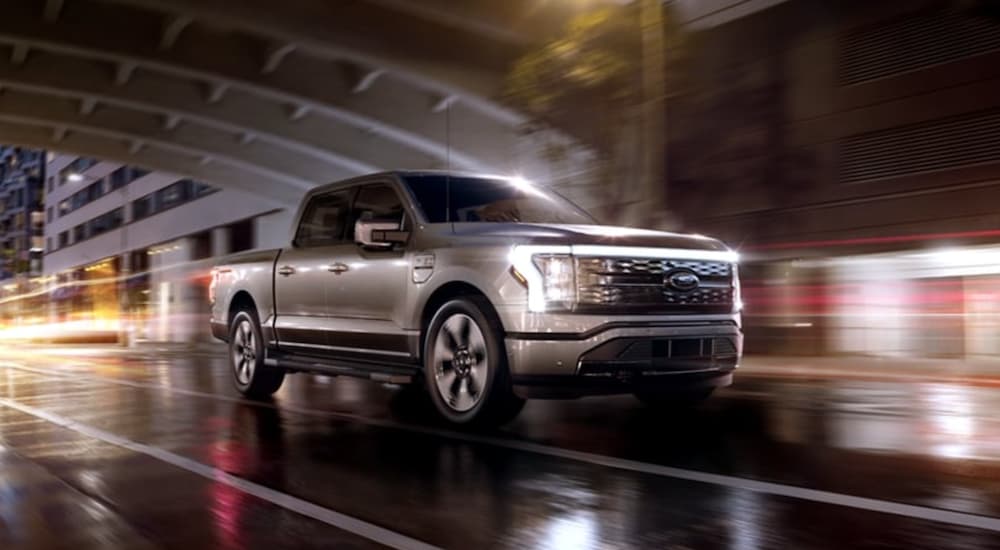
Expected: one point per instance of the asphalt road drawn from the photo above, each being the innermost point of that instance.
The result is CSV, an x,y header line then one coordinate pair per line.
x,y
100,449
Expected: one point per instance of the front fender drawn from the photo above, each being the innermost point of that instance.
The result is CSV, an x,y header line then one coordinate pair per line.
x,y
487,270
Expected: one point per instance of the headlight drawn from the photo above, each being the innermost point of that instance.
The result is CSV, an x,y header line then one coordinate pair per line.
x,y
549,274
558,279
737,290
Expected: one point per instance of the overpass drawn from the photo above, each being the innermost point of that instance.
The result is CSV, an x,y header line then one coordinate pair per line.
x,y
270,97
274,98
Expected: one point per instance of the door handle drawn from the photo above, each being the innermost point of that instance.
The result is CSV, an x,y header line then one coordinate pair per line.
x,y
286,270
337,268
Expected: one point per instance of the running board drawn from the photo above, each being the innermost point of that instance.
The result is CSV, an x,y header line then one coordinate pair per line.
x,y
343,367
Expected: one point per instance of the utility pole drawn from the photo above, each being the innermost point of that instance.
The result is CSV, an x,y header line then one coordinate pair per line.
x,y
654,195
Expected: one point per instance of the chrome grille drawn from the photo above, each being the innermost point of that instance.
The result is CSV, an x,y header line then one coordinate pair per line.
x,y
654,266
642,284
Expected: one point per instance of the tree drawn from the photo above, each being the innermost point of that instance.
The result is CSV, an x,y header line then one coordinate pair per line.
x,y
591,68
587,82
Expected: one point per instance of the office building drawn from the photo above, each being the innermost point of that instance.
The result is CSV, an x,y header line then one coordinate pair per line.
x,y
120,238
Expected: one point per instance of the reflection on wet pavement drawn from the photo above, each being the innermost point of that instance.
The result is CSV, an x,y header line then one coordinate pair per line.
x,y
379,455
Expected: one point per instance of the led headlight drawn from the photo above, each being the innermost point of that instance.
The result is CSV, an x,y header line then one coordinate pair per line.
x,y
558,279
549,274
737,290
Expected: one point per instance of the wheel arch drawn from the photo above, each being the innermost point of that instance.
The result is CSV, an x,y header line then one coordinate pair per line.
x,y
242,300
445,293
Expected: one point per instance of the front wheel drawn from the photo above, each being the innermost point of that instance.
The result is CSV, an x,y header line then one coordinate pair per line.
x,y
465,365
246,355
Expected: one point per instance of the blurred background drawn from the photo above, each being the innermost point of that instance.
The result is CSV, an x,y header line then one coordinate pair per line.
x,y
850,150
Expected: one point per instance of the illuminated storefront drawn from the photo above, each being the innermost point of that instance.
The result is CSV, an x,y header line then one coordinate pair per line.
x,y
918,303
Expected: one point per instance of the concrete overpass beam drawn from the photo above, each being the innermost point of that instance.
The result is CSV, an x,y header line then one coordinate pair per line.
x,y
276,53
53,8
173,26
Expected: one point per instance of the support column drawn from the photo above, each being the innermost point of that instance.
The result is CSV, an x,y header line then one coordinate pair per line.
x,y
221,241
125,328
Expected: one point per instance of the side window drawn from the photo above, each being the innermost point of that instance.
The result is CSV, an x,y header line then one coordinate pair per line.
x,y
377,202
325,219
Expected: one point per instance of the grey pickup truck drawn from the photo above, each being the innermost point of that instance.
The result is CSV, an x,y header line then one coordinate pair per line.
x,y
485,290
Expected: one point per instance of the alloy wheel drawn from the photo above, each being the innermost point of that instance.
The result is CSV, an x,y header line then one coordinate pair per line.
x,y
460,363
244,352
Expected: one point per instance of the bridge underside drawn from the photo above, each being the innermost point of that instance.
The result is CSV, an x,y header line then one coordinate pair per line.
x,y
272,100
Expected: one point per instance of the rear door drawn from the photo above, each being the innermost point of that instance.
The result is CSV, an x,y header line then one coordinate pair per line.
x,y
303,272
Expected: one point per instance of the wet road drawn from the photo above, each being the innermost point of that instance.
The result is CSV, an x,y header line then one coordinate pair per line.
x,y
100,449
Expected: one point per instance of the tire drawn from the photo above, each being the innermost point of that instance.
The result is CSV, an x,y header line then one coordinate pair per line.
x,y
465,365
675,401
246,358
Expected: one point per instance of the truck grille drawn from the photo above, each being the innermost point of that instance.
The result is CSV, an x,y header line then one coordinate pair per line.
x,y
651,285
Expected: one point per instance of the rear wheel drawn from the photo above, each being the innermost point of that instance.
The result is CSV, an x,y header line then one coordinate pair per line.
x,y
246,356
465,365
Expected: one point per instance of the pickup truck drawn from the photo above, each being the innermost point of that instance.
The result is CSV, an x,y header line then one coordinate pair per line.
x,y
485,290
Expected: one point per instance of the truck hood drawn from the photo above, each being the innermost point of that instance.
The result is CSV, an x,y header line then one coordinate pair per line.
x,y
545,234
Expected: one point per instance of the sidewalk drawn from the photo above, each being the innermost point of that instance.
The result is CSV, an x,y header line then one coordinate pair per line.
x,y
979,372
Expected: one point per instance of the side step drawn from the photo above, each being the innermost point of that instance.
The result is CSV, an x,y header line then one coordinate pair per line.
x,y
391,374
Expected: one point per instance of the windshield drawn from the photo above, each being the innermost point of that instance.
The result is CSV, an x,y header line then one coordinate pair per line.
x,y
481,199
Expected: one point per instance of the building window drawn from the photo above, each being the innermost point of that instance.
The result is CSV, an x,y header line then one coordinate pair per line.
x,y
77,167
105,222
168,197
63,239
82,197
241,236
119,178
79,233
48,214
51,183
95,190
172,195
143,207
125,175
199,189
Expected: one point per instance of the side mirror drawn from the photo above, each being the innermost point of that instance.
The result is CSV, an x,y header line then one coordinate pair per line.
x,y
379,233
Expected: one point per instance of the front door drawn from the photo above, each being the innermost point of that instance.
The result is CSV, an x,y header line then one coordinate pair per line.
x,y
369,295
303,272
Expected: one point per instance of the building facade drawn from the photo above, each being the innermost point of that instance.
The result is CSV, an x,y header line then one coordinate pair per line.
x,y
851,149
126,246
22,172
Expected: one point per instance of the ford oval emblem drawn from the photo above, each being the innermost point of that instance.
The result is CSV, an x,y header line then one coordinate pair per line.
x,y
682,280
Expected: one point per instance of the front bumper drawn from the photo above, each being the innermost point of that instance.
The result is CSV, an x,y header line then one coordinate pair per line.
x,y
621,358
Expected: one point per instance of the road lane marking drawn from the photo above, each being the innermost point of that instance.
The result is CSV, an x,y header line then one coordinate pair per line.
x,y
344,522
937,515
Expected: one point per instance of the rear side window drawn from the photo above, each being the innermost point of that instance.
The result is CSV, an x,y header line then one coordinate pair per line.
x,y
324,219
